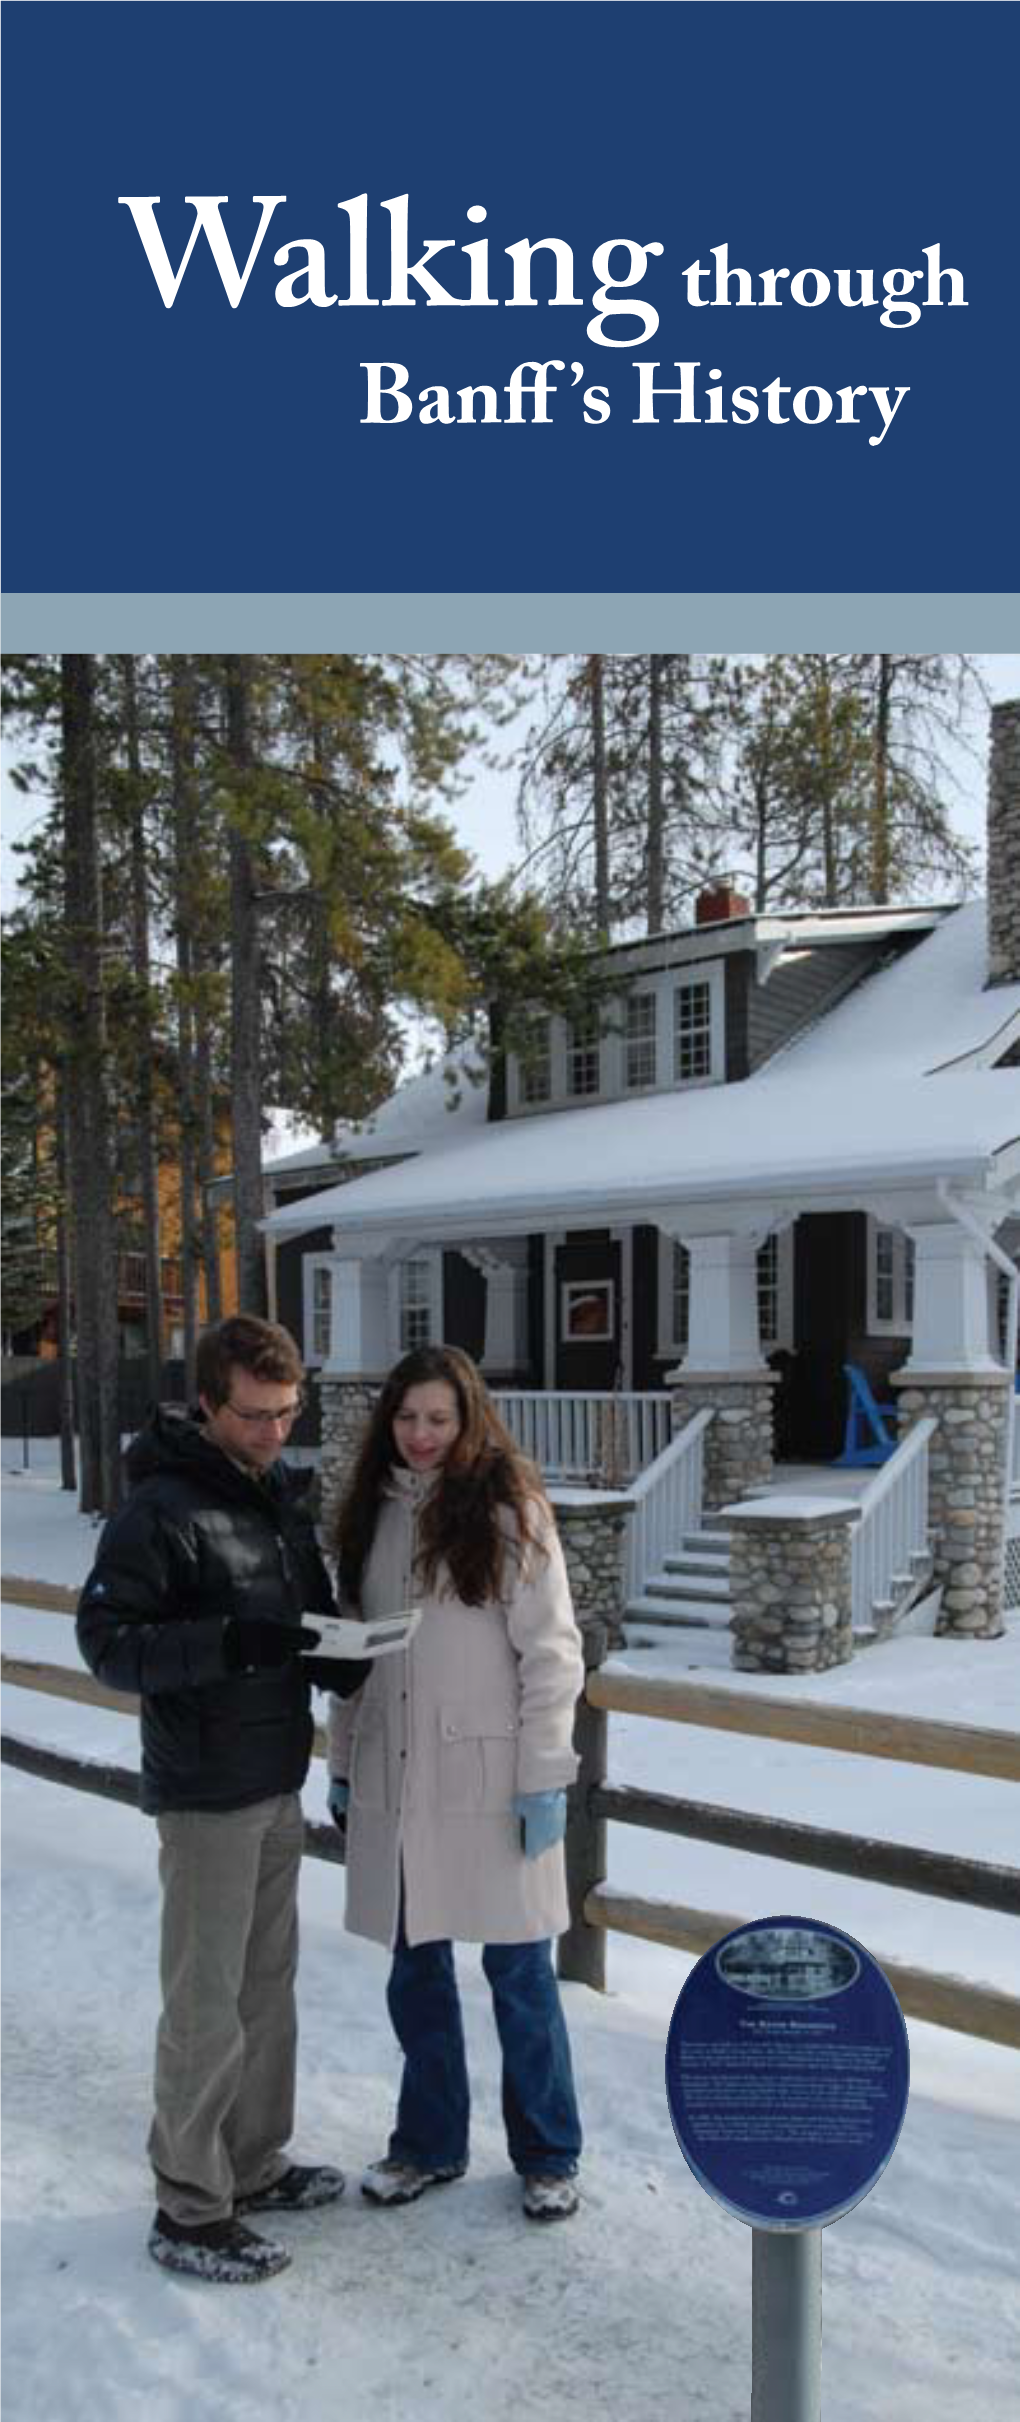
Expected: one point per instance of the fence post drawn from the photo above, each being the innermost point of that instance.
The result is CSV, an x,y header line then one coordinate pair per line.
x,y
581,1957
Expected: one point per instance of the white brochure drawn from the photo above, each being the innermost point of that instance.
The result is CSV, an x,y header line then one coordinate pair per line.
x,y
343,1636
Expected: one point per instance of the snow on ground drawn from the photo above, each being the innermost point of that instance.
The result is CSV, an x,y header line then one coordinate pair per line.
x,y
644,2300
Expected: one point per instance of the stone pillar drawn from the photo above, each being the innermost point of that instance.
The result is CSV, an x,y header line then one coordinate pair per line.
x,y
1004,845
346,1404
966,1489
593,1530
738,1444
790,1584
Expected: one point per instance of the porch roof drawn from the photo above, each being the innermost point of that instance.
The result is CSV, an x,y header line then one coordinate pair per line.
x,y
847,1110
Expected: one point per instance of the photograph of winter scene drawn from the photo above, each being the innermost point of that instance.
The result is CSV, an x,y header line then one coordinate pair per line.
x,y
534,1139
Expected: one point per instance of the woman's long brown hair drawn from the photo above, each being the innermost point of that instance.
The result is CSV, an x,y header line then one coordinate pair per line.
x,y
460,1527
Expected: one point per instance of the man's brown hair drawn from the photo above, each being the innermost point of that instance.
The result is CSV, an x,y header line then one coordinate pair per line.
x,y
248,1344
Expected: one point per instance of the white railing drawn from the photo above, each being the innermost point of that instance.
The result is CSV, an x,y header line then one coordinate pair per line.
x,y
667,1502
603,1437
891,1537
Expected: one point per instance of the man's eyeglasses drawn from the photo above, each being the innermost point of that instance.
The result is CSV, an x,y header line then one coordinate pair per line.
x,y
268,1421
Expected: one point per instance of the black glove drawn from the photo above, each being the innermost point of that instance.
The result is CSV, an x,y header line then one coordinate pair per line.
x,y
345,1675
252,1642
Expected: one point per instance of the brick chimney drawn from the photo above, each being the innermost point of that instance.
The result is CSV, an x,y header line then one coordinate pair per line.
x,y
1004,845
718,900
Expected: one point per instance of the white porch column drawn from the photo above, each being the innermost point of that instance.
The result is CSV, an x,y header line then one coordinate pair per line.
x,y
724,1370
723,1319
359,1320
504,1268
951,1303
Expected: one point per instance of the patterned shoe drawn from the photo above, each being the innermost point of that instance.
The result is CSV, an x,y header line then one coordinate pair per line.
x,y
302,2188
550,2198
218,2250
394,2181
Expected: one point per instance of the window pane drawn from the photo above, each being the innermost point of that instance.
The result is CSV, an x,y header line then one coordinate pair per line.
x,y
639,1054
885,1274
681,1294
692,1052
322,1311
415,1305
583,1054
535,1064
768,1291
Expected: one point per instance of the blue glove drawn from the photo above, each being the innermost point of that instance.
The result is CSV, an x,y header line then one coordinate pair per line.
x,y
338,1802
543,1816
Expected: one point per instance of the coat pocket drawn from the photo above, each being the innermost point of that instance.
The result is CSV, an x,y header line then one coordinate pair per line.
x,y
477,1763
368,1763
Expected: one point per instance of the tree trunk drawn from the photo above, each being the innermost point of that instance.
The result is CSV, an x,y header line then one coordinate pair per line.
x,y
246,1002
185,841
147,1155
656,854
95,1250
879,883
600,792
65,1366
208,1216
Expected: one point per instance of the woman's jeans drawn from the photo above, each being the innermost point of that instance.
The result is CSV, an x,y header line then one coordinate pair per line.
x,y
539,2105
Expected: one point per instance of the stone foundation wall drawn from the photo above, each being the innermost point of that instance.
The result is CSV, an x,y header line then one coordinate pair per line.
x,y
738,1444
790,1587
346,1405
966,1491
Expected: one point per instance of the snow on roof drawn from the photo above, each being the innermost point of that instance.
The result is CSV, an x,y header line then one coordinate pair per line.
x,y
859,1100
928,1008
424,1113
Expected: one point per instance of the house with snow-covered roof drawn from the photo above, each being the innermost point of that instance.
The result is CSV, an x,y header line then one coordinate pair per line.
x,y
765,1201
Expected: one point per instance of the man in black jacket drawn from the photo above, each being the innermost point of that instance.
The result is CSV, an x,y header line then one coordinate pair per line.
x,y
196,1601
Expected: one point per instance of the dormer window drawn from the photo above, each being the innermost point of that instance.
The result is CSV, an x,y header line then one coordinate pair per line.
x,y
663,1031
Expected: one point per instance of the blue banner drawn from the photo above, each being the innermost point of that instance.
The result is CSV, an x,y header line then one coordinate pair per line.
x,y
504,297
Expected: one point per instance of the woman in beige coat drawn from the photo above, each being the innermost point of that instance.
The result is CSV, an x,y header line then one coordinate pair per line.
x,y
449,1770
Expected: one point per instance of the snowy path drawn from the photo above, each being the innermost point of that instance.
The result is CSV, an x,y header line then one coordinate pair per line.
x,y
641,2305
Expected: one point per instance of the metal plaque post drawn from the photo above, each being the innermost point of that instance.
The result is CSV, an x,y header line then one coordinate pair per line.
x,y
786,2325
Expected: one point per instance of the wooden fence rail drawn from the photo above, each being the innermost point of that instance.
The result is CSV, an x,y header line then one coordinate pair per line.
x,y
936,1872
861,1731
942,2000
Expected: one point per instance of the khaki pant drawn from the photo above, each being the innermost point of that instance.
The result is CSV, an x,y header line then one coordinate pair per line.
x,y
227,2038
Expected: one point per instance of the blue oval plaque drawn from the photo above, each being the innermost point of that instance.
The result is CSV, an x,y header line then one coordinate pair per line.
x,y
787,2072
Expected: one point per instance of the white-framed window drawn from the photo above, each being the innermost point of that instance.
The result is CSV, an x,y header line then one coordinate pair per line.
x,y
584,1072
890,1280
692,1031
586,1311
640,1056
317,1281
534,1065
416,1300
775,1293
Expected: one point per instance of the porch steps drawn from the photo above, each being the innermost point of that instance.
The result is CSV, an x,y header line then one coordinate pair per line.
x,y
692,1591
